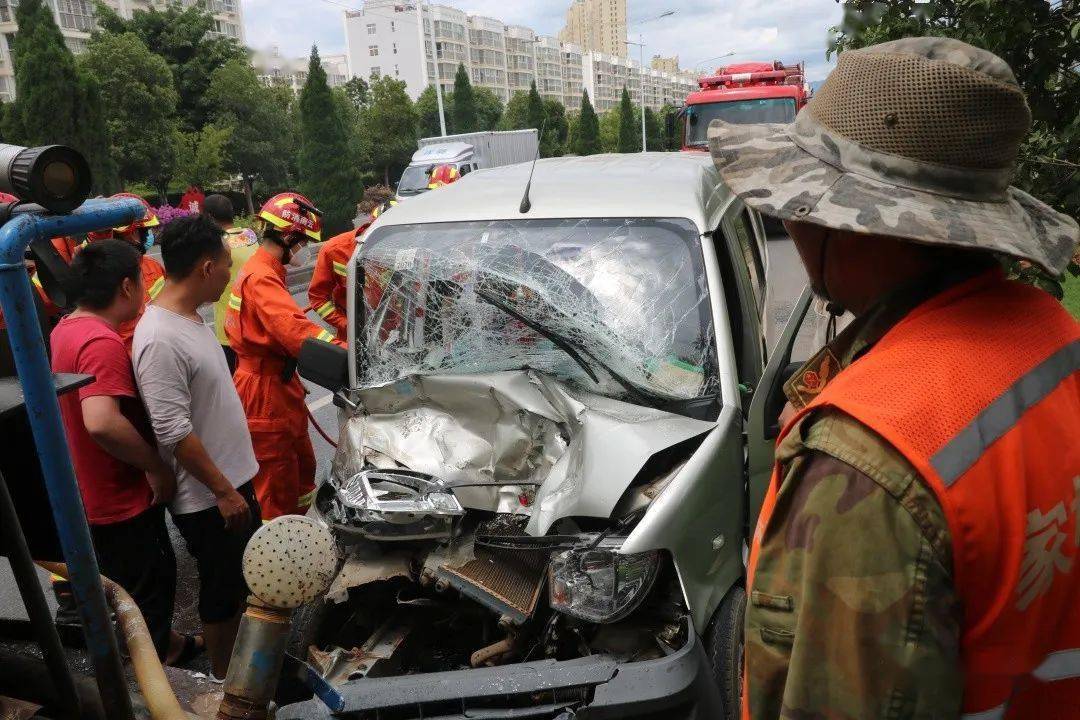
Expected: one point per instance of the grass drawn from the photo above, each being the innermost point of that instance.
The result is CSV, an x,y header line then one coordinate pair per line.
x,y
1072,295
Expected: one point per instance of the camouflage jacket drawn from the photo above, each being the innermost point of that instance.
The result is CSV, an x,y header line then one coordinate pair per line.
x,y
852,613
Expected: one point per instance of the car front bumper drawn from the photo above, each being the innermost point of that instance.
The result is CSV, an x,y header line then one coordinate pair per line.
x,y
679,686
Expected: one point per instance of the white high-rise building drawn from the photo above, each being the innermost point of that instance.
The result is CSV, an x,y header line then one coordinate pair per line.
x,y
386,38
76,21
276,70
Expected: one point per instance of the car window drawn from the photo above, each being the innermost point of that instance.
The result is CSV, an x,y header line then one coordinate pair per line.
x,y
743,226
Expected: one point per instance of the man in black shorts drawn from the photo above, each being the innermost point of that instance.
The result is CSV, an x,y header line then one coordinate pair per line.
x,y
200,424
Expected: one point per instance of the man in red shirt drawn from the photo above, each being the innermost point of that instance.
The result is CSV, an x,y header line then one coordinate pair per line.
x,y
122,478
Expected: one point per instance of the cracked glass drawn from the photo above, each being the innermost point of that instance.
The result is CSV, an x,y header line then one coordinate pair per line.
x,y
618,307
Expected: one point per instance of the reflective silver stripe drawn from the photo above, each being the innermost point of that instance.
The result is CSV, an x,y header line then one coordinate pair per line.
x,y
960,453
1060,665
991,714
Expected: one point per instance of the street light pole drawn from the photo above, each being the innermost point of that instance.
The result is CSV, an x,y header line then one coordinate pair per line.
x,y
435,60
641,73
713,59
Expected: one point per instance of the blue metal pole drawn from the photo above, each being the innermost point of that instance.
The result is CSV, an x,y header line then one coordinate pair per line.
x,y
32,366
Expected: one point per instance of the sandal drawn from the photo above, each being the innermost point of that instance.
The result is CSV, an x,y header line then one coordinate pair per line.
x,y
194,646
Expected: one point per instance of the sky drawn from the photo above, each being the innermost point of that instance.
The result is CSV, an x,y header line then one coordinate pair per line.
x,y
787,30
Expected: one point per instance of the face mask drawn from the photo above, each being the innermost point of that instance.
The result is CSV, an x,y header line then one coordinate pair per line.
x,y
298,257
148,240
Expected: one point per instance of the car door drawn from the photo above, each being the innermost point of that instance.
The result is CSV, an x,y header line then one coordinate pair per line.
x,y
743,280
762,423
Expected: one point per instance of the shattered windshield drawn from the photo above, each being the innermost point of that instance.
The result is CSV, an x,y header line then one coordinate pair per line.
x,y
614,306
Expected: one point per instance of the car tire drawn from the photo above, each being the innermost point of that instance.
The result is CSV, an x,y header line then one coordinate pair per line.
x,y
724,646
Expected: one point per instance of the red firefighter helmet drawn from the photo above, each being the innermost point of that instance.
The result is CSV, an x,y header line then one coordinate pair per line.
x,y
292,213
148,220
443,175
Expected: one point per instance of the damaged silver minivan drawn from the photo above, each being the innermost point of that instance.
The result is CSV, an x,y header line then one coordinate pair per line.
x,y
540,489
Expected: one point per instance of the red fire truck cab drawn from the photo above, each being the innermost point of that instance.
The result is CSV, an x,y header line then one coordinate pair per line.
x,y
743,93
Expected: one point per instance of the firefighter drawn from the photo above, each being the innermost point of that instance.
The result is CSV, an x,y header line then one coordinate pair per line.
x,y
443,175
139,233
918,552
266,329
327,289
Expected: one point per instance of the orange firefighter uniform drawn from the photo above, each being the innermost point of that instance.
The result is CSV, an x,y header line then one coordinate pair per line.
x,y
327,289
266,328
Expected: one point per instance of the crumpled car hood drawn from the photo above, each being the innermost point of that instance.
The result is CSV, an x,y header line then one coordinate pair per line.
x,y
524,442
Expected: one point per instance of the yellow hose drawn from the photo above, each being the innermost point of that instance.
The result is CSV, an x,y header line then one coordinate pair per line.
x,y
160,699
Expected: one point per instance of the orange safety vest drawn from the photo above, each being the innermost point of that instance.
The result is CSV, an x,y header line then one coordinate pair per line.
x,y
979,388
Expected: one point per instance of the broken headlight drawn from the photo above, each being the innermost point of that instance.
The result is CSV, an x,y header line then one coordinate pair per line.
x,y
598,584
395,505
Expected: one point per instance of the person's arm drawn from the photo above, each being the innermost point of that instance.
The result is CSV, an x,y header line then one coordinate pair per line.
x,y
852,612
192,456
110,429
282,317
321,291
164,381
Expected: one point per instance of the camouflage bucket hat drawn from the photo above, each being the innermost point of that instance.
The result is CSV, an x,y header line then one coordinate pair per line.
x,y
914,139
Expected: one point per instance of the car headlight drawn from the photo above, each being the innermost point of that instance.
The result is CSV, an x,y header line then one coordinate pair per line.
x,y
598,584
393,505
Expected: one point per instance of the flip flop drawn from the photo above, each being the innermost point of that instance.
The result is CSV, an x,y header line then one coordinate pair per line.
x,y
194,646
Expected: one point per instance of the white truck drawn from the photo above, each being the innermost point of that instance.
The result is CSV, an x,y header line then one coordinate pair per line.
x,y
467,152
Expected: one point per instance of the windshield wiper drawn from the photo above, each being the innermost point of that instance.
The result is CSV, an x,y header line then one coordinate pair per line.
x,y
567,347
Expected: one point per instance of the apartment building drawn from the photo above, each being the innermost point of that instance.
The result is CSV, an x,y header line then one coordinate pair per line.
x,y
76,21
665,64
386,38
276,70
596,26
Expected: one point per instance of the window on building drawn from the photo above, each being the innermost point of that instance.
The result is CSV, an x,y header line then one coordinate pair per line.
x,y
376,72
75,14
393,26
373,50
371,28
395,48
397,73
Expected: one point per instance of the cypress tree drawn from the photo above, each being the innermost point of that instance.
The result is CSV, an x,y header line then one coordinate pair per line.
x,y
628,135
587,141
46,81
535,108
463,111
327,177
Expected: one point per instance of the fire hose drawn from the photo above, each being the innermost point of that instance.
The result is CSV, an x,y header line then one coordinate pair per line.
x,y
154,685
318,428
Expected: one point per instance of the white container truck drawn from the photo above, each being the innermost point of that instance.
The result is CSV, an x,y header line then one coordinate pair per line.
x,y
467,152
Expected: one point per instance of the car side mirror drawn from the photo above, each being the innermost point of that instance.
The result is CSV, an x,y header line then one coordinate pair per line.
x,y
324,364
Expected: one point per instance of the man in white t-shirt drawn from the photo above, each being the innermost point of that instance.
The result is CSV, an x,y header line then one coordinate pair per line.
x,y
200,425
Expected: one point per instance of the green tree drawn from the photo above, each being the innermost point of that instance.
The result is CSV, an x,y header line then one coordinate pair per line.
x,y
200,156
535,108
609,131
185,38
671,141
389,125
654,133
516,115
556,129
463,116
260,143
326,172
55,102
1040,39
427,112
357,91
587,139
629,141
489,108
140,106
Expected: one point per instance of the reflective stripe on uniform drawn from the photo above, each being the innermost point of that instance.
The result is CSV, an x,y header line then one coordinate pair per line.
x,y
325,309
341,268
325,336
964,450
234,302
155,289
305,500
1060,665
36,280
991,714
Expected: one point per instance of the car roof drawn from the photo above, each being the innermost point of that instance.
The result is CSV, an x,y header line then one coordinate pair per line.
x,y
672,184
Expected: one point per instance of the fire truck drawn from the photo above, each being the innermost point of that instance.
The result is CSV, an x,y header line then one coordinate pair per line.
x,y
743,93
